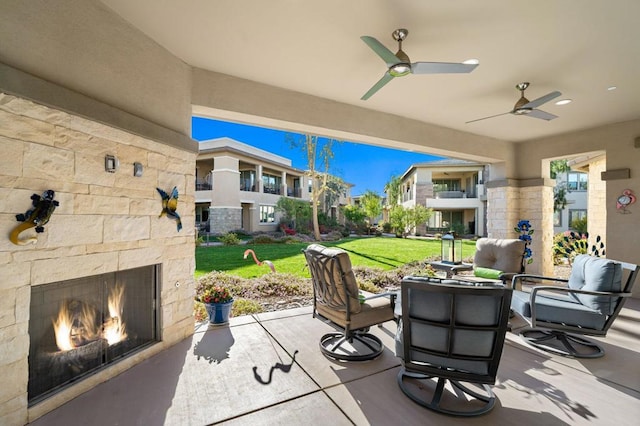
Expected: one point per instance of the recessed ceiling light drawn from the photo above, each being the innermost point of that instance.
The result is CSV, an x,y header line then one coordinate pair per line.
x,y
471,61
563,102
610,88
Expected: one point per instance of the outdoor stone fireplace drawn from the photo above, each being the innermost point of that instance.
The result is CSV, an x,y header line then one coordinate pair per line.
x,y
116,277
77,327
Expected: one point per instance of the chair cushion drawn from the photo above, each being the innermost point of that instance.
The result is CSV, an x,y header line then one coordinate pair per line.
x,y
429,330
489,273
558,309
596,274
373,311
349,278
499,254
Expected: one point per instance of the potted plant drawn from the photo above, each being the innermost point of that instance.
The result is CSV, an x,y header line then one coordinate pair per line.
x,y
216,299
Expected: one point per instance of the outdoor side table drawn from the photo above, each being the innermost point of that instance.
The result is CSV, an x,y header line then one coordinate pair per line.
x,y
449,268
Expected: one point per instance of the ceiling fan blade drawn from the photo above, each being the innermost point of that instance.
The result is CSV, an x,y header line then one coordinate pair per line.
x,y
491,116
387,56
542,100
536,113
441,68
384,80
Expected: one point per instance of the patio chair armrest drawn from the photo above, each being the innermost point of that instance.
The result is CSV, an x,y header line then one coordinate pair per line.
x,y
390,294
518,278
537,289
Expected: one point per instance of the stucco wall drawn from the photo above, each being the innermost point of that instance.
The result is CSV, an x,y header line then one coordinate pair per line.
x,y
216,95
84,46
617,140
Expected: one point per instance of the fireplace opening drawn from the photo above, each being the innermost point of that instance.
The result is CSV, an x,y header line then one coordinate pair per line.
x,y
80,326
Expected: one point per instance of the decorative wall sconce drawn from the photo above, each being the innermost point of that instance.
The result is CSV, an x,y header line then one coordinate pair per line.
x,y
137,169
111,163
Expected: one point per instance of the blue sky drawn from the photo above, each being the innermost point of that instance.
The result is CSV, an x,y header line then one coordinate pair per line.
x,y
365,166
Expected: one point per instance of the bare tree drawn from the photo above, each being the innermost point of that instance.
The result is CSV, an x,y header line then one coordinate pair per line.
x,y
319,153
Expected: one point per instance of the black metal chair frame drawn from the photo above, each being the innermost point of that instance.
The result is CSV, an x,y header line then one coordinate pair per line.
x,y
422,371
542,334
326,293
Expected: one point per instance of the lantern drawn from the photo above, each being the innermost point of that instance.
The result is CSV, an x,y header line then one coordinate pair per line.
x,y
451,249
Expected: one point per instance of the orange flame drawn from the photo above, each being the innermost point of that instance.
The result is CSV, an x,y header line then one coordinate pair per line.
x,y
114,329
62,328
76,323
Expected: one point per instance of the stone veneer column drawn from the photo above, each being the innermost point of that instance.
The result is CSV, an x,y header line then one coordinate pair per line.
x,y
225,213
509,201
597,203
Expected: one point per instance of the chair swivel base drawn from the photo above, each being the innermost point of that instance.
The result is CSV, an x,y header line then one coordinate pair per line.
x,y
357,346
561,343
478,403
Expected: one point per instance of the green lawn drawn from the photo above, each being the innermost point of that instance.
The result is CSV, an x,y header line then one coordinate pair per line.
x,y
380,252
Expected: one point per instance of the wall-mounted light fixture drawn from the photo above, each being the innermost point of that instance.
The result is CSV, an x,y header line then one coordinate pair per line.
x,y
137,169
111,163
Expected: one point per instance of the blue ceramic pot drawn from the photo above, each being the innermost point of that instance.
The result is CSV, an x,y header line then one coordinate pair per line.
x,y
218,312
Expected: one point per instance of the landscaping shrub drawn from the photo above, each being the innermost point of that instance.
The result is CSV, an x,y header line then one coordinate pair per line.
x,y
245,307
333,236
579,225
370,279
262,239
230,239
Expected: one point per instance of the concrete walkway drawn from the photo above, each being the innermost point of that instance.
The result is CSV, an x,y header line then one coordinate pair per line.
x,y
267,370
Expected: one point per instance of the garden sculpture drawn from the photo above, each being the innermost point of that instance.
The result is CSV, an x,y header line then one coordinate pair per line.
x,y
37,217
266,262
170,205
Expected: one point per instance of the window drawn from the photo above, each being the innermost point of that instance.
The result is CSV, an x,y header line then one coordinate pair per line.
x,y
440,185
577,181
271,184
247,180
576,215
267,214
557,218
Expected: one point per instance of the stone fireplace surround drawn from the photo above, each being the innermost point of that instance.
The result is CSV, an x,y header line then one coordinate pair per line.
x,y
105,222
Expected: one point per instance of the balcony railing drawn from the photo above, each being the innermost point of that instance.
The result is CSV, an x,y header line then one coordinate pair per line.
x,y
271,190
202,185
453,194
294,192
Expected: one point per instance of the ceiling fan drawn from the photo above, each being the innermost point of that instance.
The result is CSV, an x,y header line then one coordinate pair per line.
x,y
526,107
400,65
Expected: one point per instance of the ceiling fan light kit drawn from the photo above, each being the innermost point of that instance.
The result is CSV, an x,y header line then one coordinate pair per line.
x,y
529,108
399,64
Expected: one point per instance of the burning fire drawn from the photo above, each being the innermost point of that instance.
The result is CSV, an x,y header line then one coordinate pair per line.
x,y
114,329
62,328
76,324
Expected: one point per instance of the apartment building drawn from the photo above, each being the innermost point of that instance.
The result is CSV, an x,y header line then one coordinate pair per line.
x,y
454,189
576,185
238,187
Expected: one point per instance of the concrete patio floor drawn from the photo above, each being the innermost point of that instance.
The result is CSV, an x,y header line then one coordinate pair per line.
x,y
246,374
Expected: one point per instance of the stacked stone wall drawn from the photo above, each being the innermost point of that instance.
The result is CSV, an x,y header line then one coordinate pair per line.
x,y
597,202
105,222
223,220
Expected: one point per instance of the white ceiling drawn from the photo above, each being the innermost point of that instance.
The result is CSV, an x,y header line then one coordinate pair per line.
x,y
578,47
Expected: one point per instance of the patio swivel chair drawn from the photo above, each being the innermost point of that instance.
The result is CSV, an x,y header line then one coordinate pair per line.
x,y
451,334
496,259
585,304
337,299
